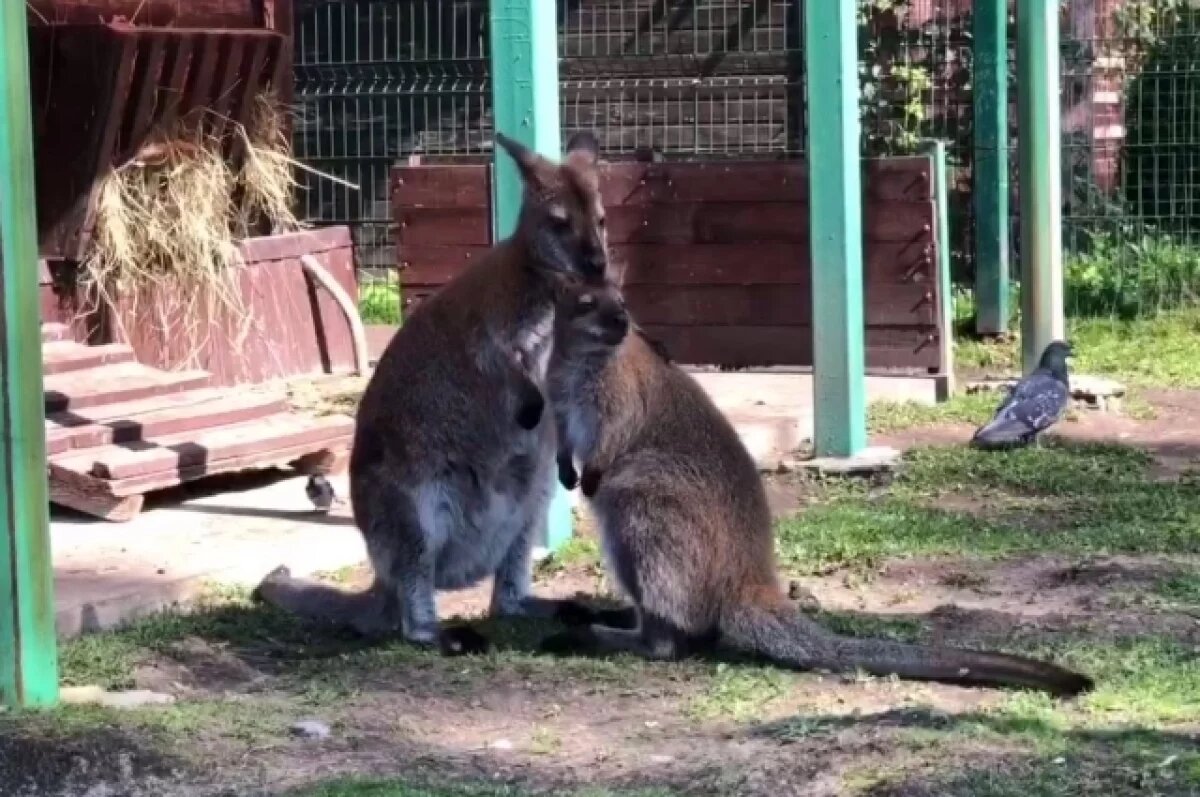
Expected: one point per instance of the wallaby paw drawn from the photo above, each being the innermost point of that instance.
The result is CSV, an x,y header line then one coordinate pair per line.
x,y
573,641
462,641
589,483
567,476
529,415
279,574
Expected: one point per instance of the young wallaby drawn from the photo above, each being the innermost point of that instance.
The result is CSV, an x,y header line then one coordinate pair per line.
x,y
684,521
446,488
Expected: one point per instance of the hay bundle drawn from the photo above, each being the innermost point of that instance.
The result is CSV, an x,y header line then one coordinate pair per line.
x,y
164,249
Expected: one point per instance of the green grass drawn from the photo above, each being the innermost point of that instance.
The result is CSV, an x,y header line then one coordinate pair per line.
x,y
1070,498
1150,352
893,416
379,302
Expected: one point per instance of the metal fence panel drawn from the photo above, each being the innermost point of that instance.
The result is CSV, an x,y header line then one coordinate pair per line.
x,y
378,80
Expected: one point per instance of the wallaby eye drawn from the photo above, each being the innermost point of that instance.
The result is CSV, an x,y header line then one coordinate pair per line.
x,y
586,302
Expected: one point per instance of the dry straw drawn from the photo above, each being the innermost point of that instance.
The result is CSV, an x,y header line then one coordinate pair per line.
x,y
168,222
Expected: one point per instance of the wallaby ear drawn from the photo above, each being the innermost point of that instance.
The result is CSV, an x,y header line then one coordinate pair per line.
x,y
533,167
583,148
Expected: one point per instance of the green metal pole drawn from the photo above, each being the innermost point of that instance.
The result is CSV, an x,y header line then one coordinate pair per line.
x,y
28,654
524,61
1040,178
836,237
990,80
941,187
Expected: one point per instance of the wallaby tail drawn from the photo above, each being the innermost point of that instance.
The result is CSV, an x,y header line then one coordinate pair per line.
x,y
790,639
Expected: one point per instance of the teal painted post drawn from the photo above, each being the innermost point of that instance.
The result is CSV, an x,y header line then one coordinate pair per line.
x,y
28,653
835,175
1040,178
990,80
524,61
941,189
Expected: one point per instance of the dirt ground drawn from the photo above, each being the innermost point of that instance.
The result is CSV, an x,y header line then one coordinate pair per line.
x,y
523,723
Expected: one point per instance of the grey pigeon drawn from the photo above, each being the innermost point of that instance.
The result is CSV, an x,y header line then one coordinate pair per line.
x,y
1037,402
319,491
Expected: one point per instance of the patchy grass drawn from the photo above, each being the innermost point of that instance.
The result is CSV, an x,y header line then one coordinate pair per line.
x,y
1181,590
1155,351
1076,498
893,416
739,692
357,787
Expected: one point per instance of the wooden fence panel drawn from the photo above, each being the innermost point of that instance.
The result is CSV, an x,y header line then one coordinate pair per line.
x,y
714,257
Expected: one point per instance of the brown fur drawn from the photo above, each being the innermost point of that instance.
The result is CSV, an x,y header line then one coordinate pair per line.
x,y
685,525
451,471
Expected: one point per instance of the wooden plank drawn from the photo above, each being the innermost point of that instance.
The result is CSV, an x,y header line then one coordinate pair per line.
x,y
441,186
436,265
276,457
171,93
152,53
625,183
694,264
202,13
680,223
91,496
113,383
898,179
738,222
225,90
162,415
770,305
193,449
905,349
442,226
885,263
60,357
294,245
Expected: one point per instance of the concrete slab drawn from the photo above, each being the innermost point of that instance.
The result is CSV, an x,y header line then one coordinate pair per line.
x,y
877,459
108,573
772,410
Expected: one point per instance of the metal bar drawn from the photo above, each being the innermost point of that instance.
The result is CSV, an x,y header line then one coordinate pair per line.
x,y
1040,178
524,55
835,174
28,652
990,81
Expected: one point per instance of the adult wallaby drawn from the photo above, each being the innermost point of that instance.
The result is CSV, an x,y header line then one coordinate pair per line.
x,y
451,471
684,522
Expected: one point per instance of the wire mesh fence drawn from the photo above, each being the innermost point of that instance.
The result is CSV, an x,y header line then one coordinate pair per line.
x,y
380,80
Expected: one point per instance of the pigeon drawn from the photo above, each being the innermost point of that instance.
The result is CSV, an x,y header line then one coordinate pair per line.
x,y
319,491
1037,402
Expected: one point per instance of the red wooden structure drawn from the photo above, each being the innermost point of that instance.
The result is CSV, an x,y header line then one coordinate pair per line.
x,y
128,417
715,255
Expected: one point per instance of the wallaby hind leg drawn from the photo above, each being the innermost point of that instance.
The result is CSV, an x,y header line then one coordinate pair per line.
x,y
404,557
